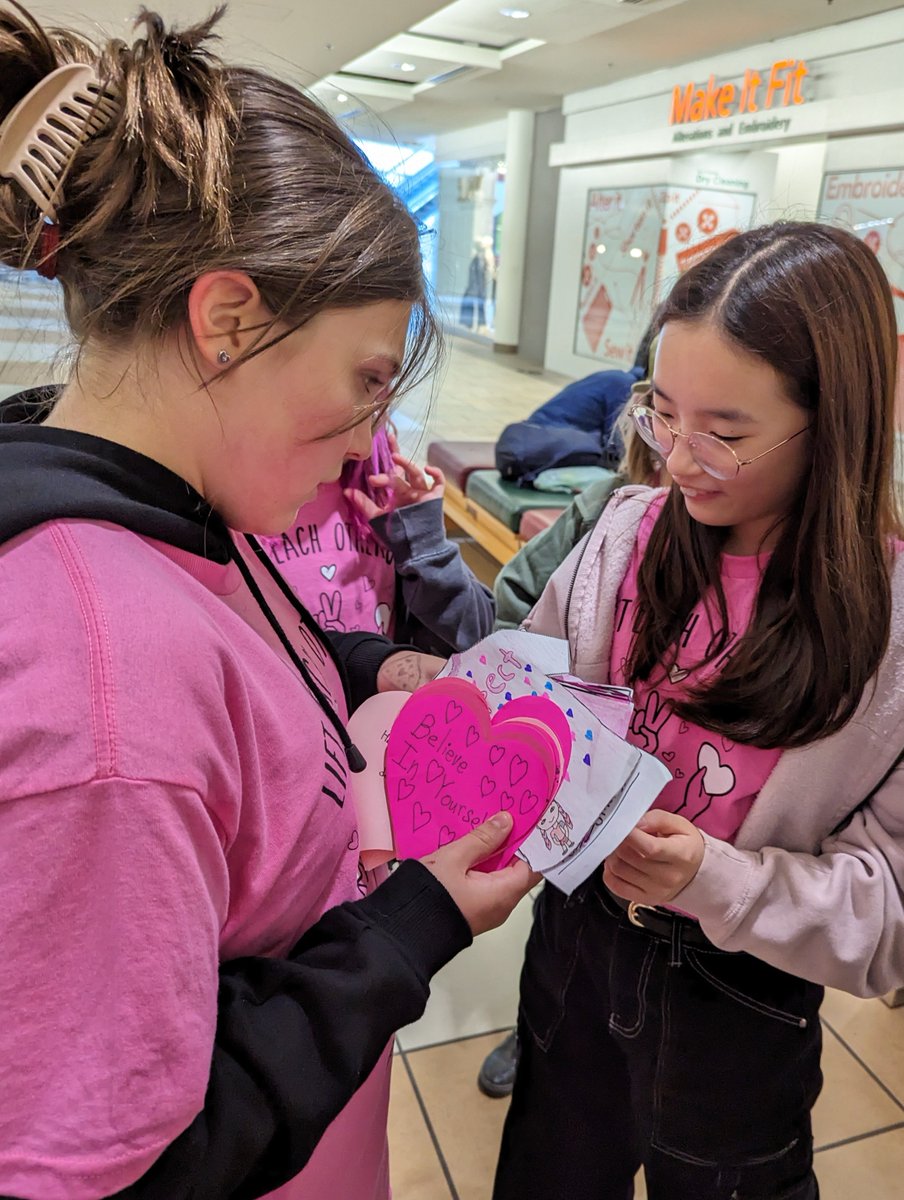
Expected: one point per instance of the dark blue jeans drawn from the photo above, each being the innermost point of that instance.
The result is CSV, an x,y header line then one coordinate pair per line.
x,y
640,1049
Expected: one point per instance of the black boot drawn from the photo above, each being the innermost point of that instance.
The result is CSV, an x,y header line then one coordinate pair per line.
x,y
497,1075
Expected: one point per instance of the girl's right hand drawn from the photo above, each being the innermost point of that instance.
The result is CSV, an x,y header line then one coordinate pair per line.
x,y
486,898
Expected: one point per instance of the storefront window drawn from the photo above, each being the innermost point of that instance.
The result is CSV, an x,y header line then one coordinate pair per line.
x,y
469,225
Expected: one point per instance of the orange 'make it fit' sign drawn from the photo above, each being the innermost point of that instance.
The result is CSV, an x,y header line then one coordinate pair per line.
x,y
780,88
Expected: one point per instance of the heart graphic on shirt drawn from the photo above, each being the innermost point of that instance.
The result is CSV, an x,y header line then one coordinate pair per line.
x,y
369,584
328,572
354,841
679,774
683,727
727,746
668,755
676,674
718,779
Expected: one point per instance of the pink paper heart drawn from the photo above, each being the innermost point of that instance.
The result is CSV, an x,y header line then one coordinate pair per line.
x,y
547,715
467,766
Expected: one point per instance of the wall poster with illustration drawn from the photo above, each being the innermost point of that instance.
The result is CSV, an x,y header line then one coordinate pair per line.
x,y
871,205
637,241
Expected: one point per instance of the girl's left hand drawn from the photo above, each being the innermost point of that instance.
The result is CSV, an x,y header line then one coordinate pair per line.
x,y
407,670
657,859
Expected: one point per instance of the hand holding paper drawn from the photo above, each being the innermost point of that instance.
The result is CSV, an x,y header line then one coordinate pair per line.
x,y
485,900
407,670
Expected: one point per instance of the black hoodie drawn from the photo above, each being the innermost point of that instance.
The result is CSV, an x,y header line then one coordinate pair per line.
x,y
295,1036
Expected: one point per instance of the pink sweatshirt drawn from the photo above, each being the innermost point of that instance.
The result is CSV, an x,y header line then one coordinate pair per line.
x,y
336,566
157,831
714,780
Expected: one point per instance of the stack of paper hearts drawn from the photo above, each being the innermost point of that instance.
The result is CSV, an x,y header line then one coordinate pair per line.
x,y
451,764
503,727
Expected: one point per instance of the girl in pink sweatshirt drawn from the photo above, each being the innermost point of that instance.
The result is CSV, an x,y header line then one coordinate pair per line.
x,y
200,985
670,1007
370,552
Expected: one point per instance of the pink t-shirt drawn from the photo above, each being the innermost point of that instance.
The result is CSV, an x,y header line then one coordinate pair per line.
x,y
335,565
171,798
714,780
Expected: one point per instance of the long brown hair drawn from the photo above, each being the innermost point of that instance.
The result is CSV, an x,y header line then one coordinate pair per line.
x,y
813,302
208,167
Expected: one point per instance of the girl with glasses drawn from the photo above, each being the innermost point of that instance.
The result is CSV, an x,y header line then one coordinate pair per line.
x,y
670,1007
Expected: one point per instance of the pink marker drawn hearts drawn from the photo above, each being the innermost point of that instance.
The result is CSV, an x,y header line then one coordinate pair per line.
x,y
514,762
545,715
434,771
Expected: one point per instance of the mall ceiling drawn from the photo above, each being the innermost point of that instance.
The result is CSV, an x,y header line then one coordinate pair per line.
x,y
413,68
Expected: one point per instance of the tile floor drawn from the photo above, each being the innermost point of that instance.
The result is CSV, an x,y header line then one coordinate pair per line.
x,y
444,1134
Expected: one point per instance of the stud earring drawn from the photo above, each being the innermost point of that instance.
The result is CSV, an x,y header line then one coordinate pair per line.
x,y
224,357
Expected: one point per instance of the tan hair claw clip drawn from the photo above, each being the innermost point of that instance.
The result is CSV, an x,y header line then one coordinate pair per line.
x,y
39,138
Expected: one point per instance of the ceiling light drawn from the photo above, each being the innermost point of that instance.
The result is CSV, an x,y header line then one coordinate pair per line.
x,y
601,248
406,67
636,252
342,98
516,14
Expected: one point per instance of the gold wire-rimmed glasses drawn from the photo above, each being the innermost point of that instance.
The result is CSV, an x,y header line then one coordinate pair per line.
x,y
710,453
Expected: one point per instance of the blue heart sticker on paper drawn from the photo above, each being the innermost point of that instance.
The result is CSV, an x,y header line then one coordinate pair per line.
x,y
533,693
470,674
548,686
528,667
589,735
569,712
587,759
508,695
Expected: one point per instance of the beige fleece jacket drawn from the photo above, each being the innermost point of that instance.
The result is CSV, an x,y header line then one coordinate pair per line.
x,y
814,883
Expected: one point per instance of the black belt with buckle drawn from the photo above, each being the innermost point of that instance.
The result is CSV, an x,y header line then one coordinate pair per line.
x,y
661,922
